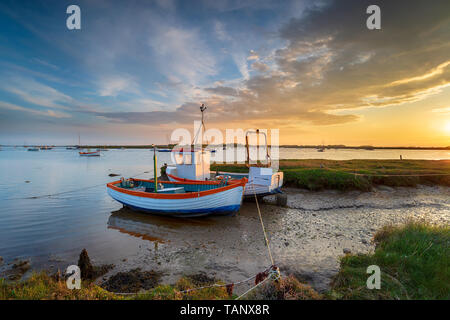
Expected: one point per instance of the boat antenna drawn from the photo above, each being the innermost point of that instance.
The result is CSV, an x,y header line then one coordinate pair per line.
x,y
202,109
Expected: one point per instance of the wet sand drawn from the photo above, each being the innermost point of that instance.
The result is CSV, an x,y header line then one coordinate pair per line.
x,y
307,238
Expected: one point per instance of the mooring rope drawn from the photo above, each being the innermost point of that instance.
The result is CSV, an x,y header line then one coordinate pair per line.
x,y
262,225
273,274
68,191
215,285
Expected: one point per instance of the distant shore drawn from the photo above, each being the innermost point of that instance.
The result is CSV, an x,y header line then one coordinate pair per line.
x,y
220,146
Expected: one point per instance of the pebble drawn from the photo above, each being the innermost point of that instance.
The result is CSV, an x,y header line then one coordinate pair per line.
x,y
347,251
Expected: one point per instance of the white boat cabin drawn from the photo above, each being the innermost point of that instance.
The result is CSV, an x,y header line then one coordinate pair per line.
x,y
192,165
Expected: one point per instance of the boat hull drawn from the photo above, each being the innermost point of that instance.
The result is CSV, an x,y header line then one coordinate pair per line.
x,y
90,154
215,202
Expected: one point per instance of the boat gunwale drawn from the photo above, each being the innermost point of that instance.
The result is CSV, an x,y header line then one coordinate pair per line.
x,y
143,194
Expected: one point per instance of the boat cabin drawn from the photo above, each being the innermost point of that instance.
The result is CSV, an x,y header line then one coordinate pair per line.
x,y
192,165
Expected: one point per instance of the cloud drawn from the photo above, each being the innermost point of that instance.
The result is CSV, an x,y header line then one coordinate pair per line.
x,y
225,91
253,56
327,61
221,33
37,93
259,66
114,85
47,113
183,53
445,110
306,70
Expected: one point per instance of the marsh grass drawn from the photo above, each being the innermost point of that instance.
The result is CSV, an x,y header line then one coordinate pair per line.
x,y
41,286
414,260
318,174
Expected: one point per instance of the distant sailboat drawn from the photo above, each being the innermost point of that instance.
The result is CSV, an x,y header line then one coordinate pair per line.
x,y
321,149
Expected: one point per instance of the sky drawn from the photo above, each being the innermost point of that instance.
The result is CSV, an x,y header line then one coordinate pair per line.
x,y
137,70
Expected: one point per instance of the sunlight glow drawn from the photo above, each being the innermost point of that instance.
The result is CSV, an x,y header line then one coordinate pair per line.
x,y
447,127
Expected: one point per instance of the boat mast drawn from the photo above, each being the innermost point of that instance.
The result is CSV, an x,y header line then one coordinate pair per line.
x,y
202,109
155,175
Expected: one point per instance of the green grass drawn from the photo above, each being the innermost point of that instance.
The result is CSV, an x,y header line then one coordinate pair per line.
x,y
41,286
414,260
317,174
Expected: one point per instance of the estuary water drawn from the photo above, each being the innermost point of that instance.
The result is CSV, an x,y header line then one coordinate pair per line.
x,y
52,230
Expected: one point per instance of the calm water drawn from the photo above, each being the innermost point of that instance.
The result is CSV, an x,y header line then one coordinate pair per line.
x,y
64,224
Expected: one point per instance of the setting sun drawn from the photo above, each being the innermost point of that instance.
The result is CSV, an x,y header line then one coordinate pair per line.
x,y
447,127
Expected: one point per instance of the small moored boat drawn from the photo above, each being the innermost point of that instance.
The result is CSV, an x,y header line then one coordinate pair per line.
x,y
180,199
90,154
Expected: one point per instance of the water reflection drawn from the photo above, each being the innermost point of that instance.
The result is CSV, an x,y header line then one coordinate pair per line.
x,y
153,227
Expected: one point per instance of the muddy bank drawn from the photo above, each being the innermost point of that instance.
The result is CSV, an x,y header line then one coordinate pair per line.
x,y
307,238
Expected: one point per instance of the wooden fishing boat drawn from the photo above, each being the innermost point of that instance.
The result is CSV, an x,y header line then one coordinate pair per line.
x,y
33,149
180,199
90,154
